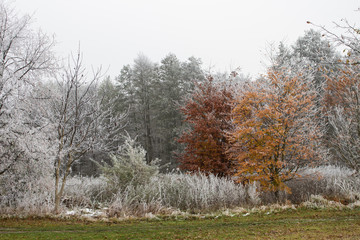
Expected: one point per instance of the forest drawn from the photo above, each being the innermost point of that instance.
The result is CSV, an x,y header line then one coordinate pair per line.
x,y
170,136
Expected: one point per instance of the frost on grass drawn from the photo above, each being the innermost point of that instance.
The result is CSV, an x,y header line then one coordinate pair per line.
x,y
319,202
193,193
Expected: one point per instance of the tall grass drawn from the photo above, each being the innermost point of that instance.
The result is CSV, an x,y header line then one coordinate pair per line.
x,y
176,191
332,182
185,192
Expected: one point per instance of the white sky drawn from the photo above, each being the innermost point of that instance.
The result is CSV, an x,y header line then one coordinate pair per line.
x,y
225,34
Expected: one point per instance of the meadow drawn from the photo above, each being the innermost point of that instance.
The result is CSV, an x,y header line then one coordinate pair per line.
x,y
302,223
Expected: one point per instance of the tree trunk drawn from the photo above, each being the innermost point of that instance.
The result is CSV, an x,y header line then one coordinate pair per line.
x,y
57,202
59,193
149,147
57,180
277,196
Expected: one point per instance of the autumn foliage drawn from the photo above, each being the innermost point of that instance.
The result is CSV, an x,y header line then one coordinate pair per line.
x,y
273,135
343,88
208,113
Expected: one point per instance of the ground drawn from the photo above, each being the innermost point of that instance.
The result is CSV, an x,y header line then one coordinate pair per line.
x,y
287,224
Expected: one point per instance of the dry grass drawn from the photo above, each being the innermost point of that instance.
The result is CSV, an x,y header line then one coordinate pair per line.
x,y
177,192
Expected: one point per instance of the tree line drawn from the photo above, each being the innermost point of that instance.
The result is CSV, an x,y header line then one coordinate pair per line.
x,y
303,112
56,118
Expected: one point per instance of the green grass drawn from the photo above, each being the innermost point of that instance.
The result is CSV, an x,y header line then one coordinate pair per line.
x,y
289,224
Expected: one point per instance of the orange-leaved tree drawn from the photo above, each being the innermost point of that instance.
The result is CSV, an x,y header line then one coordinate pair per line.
x,y
273,135
207,112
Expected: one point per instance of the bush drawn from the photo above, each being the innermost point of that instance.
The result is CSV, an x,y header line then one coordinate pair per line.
x,y
331,182
27,188
129,167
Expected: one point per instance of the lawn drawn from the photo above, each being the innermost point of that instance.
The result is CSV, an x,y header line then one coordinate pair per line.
x,y
289,224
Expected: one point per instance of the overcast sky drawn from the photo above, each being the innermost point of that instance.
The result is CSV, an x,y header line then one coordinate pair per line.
x,y
225,34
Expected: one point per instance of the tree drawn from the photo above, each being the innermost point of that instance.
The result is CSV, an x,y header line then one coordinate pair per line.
x,y
208,113
311,55
273,135
168,117
176,80
319,58
191,73
81,124
152,92
26,55
315,58
342,96
349,38
27,148
136,83
129,167
343,109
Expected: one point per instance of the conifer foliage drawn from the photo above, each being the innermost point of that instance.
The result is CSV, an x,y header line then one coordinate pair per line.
x,y
272,136
208,113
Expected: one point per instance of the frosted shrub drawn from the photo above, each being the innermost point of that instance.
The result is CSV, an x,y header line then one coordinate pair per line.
x,y
332,182
129,167
27,188
328,172
37,199
85,192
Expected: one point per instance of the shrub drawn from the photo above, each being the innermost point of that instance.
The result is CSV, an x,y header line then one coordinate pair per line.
x,y
129,167
331,182
27,188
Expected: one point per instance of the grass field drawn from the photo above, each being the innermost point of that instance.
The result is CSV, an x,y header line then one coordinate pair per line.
x,y
289,224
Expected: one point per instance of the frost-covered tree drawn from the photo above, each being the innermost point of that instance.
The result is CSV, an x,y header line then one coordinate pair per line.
x,y
192,72
26,55
344,116
81,124
26,151
343,105
348,39
342,96
311,55
318,55
137,84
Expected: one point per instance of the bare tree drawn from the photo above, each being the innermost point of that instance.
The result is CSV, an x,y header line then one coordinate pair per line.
x,y
349,38
82,125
